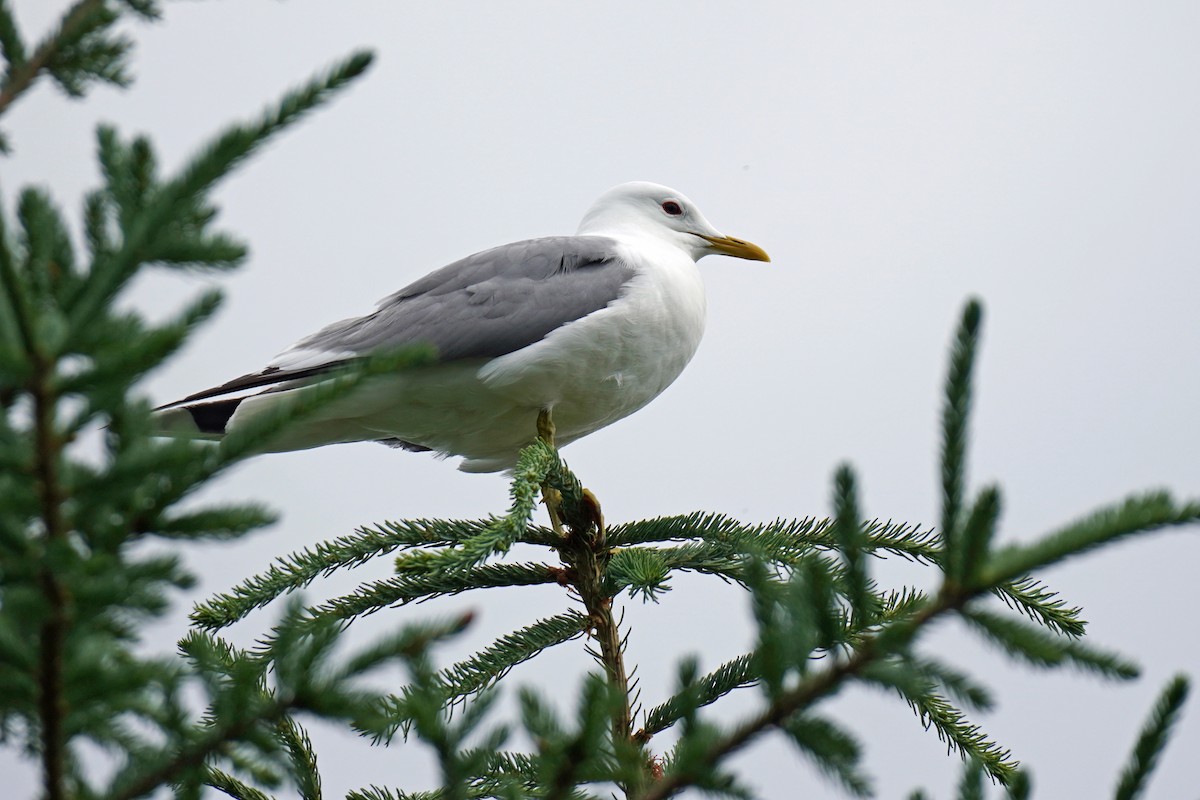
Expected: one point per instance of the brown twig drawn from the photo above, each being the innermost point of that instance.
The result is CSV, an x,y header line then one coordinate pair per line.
x,y
52,704
584,550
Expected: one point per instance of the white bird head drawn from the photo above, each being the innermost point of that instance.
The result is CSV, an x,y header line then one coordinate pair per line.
x,y
641,208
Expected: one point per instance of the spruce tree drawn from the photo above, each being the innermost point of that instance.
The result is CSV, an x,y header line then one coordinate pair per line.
x,y
77,583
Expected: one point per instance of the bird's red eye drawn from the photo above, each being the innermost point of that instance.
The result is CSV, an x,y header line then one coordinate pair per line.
x,y
672,208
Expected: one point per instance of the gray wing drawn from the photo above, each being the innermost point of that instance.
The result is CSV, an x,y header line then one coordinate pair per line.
x,y
484,306
488,304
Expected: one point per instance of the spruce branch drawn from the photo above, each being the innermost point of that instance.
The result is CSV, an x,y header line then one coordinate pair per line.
x,y
298,570
863,602
18,321
956,685
224,522
903,602
647,569
735,674
835,751
224,782
404,589
978,531
781,539
970,786
1020,787
786,541
482,670
569,755
177,198
489,665
12,47
159,771
920,692
413,640
117,367
302,758
1152,739
586,559
780,709
21,72
890,639
1035,600
1041,648
956,411
1137,514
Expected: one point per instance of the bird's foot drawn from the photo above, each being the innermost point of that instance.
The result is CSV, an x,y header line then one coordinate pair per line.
x,y
553,501
592,504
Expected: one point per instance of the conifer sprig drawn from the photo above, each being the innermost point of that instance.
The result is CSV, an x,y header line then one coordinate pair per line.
x,y
1047,649
707,689
151,234
298,570
956,412
81,49
482,670
408,588
1152,739
76,590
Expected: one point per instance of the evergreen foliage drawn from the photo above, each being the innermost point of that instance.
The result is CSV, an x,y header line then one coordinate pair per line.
x,y
75,588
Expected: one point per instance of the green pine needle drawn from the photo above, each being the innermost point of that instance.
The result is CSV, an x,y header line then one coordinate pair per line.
x,y
970,786
1152,739
1021,786
917,688
834,750
956,411
224,522
1136,515
977,534
301,757
863,603
490,664
1046,649
643,570
177,199
958,686
781,540
12,47
235,788
115,367
298,570
1035,600
735,674
404,589
482,670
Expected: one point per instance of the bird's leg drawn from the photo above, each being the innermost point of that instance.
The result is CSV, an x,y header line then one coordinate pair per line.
x,y
551,497
545,426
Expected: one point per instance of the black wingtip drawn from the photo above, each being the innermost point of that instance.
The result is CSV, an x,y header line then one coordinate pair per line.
x,y
213,417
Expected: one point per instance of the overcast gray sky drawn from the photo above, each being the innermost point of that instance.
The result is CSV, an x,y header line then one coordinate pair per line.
x,y
893,158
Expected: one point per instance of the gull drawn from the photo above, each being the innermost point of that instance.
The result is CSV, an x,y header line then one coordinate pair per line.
x,y
589,328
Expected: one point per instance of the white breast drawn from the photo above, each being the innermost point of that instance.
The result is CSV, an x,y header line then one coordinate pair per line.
x,y
612,362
